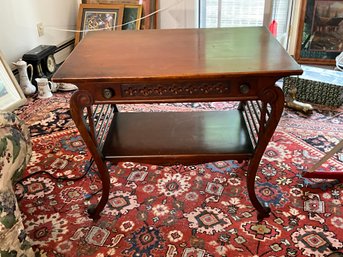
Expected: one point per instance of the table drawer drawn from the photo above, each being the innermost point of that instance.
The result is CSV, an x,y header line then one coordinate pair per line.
x,y
149,92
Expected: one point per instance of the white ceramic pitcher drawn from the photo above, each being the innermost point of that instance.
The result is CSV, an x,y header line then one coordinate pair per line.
x,y
24,80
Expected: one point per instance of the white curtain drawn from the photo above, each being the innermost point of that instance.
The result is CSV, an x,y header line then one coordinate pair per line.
x,y
231,13
240,13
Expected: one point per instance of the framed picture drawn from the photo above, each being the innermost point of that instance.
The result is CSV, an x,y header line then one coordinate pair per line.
x,y
94,17
132,15
11,95
149,6
320,32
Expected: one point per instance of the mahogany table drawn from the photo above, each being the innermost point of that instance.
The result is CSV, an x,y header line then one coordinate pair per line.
x,y
180,65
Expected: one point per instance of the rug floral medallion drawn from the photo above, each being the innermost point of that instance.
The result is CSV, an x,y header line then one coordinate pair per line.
x,y
187,211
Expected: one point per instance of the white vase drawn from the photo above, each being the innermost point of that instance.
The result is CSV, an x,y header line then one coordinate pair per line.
x,y
24,80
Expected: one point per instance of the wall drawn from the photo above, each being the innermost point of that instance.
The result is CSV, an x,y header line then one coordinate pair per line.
x,y
19,19
180,14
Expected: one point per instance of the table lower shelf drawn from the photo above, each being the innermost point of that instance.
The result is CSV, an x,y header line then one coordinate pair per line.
x,y
178,137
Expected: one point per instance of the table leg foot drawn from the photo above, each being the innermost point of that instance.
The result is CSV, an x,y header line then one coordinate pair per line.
x,y
264,214
263,211
94,210
93,213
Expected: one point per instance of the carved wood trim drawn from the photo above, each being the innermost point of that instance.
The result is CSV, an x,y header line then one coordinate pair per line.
x,y
174,89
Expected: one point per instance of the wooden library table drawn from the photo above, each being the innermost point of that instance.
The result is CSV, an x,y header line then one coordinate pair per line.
x,y
178,65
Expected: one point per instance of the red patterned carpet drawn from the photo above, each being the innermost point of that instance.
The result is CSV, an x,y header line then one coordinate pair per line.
x,y
199,211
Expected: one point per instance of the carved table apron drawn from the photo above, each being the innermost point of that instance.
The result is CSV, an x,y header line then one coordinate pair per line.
x,y
240,64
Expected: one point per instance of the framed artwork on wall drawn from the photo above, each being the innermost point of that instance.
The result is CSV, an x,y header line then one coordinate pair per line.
x,y
94,17
131,18
320,32
11,95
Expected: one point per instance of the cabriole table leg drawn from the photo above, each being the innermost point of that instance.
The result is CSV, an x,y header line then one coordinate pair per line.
x,y
78,102
274,98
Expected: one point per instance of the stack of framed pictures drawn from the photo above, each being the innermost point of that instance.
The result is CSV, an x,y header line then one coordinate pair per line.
x,y
94,17
149,9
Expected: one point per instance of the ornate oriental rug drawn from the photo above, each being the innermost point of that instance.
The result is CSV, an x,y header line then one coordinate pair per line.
x,y
199,211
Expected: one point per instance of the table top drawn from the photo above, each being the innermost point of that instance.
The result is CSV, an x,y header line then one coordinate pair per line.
x,y
128,56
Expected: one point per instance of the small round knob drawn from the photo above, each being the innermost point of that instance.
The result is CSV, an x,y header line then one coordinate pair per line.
x,y
108,93
244,88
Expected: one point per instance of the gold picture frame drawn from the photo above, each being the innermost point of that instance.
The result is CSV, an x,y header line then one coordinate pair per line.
x,y
11,95
94,17
320,38
132,16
